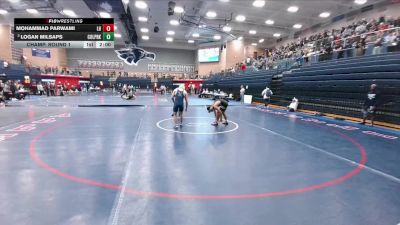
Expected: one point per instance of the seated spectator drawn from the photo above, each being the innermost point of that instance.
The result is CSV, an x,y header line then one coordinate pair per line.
x,y
293,105
378,44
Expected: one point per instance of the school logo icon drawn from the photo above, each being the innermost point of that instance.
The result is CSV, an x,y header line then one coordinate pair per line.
x,y
133,55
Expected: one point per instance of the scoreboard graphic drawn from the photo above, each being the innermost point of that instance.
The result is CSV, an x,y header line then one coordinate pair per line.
x,y
64,33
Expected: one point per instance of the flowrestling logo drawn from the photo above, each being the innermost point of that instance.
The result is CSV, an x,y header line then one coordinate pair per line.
x,y
133,55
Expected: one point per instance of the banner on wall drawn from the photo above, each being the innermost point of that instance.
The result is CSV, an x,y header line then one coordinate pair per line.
x,y
100,64
157,67
41,53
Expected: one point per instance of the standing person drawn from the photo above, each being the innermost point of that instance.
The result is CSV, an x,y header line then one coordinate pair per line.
x,y
219,107
267,93
178,96
242,92
370,104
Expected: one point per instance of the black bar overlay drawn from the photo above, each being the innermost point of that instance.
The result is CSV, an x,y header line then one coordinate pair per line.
x,y
29,28
64,36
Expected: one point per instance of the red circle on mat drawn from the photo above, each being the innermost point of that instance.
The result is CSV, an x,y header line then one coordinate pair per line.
x,y
360,166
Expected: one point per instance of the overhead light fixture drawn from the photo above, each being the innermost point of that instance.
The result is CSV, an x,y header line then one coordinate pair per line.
x,y
261,41
141,4
69,13
104,15
259,3
254,44
171,32
224,0
179,9
211,14
169,39
360,2
269,22
125,1
293,9
117,35
2,11
145,37
32,11
227,28
240,38
190,41
196,35
142,19
174,22
144,30
14,1
202,26
324,14
217,37
240,18
277,35
252,32
297,26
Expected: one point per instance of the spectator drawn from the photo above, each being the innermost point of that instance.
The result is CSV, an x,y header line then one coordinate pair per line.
x,y
370,104
242,92
267,94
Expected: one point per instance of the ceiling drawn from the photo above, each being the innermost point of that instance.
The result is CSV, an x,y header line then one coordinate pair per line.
x,y
195,11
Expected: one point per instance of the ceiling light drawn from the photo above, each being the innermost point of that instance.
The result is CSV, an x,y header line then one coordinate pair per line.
x,y
145,37
141,4
254,44
202,26
224,0
2,11
169,39
277,35
297,26
32,11
174,22
360,2
211,14
293,9
227,28
217,37
144,30
117,35
179,9
171,32
104,15
240,18
125,1
191,41
324,14
269,22
196,35
69,13
261,41
14,1
142,19
252,32
240,38
259,3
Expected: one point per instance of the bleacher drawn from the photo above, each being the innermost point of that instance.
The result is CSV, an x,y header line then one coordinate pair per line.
x,y
340,86
13,71
256,81
336,86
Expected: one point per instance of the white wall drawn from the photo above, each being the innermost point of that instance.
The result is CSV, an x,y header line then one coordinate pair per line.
x,y
163,55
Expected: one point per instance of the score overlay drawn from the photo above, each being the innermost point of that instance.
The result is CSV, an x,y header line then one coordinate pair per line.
x,y
64,32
